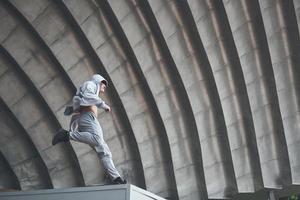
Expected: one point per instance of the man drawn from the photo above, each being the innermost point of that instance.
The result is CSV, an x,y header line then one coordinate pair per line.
x,y
84,126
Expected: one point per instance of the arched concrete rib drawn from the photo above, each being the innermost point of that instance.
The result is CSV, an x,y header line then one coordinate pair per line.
x,y
297,11
58,40
39,126
248,33
216,36
134,95
83,152
283,38
88,160
8,178
66,50
196,77
20,153
168,91
21,18
132,161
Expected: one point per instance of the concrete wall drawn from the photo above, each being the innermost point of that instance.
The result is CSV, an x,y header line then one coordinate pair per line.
x,y
204,94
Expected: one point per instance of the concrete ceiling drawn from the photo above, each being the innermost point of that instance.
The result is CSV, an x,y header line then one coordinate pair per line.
x,y
205,94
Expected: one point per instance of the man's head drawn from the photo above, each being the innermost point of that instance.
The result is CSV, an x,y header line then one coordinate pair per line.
x,y
102,86
96,78
100,81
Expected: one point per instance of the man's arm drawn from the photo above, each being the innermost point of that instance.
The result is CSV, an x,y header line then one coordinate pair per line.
x,y
104,106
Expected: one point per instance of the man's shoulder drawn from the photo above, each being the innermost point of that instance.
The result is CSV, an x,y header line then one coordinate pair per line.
x,y
89,85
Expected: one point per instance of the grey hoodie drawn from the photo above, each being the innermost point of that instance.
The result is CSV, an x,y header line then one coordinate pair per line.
x,y
88,95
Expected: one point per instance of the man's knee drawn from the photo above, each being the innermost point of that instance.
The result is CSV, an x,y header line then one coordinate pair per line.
x,y
103,155
103,151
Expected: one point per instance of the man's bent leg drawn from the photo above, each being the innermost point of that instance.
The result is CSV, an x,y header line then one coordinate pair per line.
x,y
82,129
84,137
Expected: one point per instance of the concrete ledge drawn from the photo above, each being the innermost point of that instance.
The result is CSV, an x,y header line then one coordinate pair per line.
x,y
106,192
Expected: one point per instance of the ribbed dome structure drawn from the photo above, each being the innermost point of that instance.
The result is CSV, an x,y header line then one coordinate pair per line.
x,y
205,94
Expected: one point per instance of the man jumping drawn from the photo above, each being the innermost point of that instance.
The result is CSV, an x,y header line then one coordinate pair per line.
x,y
84,126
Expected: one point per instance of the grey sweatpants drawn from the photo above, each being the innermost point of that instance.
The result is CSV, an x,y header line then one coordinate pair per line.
x,y
85,128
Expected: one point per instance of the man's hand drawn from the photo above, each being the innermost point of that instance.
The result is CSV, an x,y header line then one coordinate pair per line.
x,y
107,109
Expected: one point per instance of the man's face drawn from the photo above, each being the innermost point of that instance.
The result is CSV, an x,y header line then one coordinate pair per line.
x,y
102,87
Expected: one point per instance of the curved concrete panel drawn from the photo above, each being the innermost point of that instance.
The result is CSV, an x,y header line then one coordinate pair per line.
x,y
37,125
160,75
192,65
283,40
297,11
218,42
204,94
247,27
25,161
50,80
9,180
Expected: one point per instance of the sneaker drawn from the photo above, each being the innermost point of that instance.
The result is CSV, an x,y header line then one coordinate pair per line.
x,y
119,180
61,136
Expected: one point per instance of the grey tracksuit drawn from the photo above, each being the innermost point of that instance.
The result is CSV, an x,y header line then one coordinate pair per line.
x,y
84,127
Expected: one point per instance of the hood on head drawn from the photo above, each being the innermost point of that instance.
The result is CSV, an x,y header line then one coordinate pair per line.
x,y
96,78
